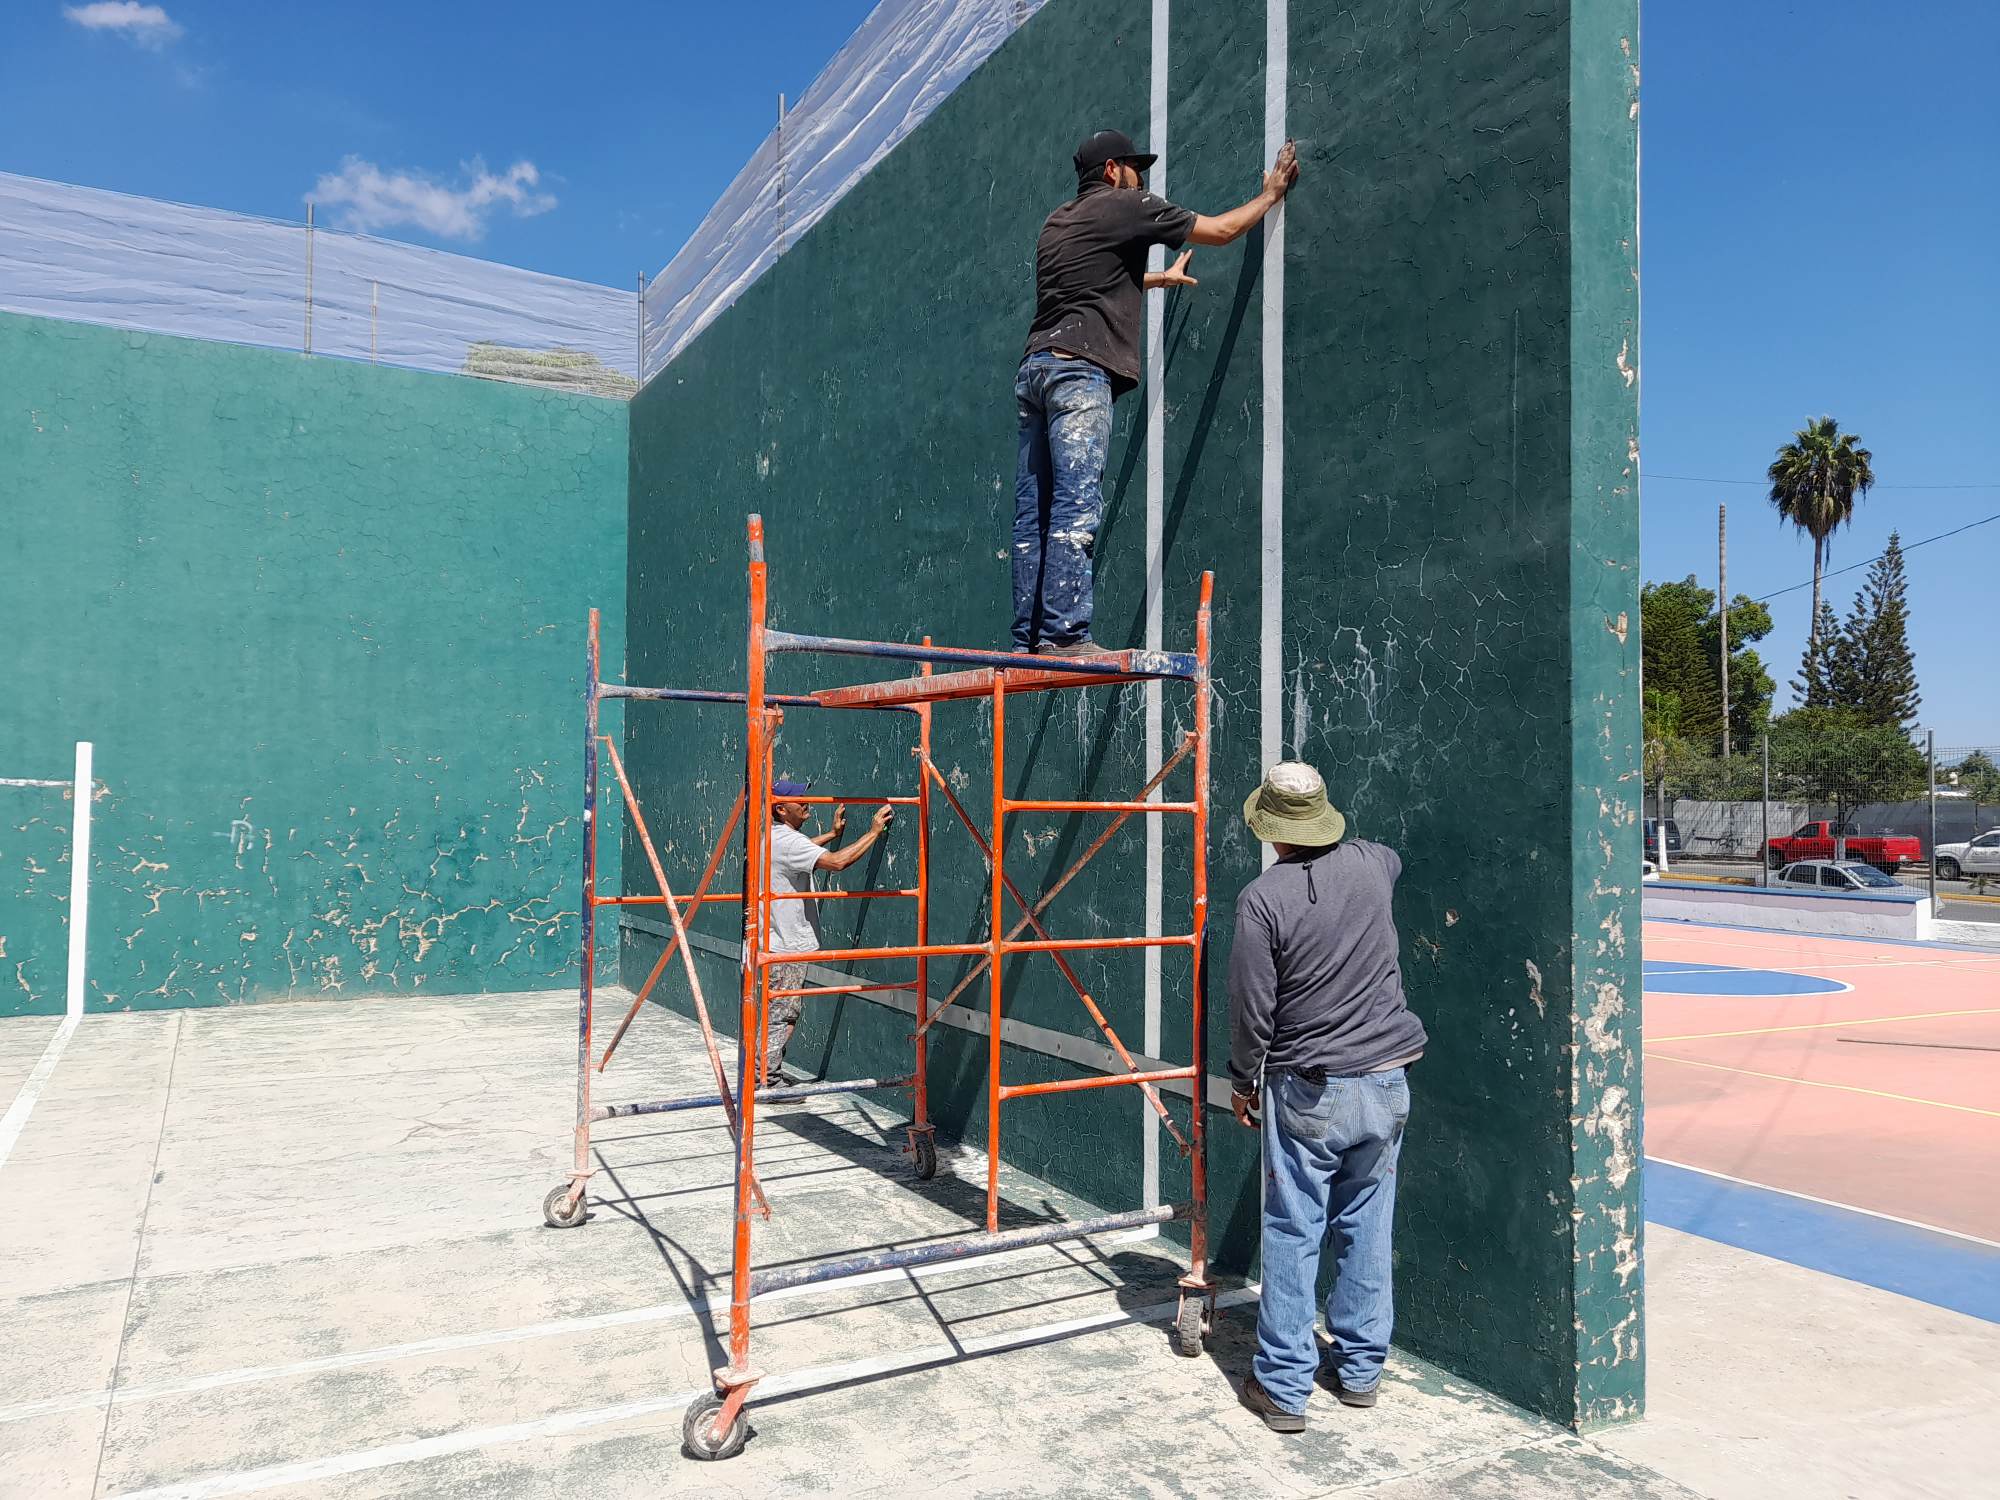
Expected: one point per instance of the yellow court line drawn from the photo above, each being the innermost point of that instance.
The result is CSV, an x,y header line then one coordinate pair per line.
x,y
1928,1015
1845,1088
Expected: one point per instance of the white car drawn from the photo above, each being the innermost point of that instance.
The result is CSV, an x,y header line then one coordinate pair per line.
x,y
1846,875
1980,856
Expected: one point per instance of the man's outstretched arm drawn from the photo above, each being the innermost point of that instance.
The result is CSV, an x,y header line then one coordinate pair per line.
x,y
1220,229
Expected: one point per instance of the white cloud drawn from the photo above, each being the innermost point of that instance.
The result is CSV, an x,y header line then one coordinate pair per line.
x,y
369,198
146,26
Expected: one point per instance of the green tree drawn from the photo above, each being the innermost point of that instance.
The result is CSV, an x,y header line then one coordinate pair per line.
x,y
1835,756
1873,670
1815,480
1818,685
1672,661
1750,686
1977,776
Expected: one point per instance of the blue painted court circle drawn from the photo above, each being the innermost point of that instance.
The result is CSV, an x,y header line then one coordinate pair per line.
x,y
1668,977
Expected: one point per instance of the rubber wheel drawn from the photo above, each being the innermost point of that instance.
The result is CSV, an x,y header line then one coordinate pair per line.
x,y
1189,1329
556,1212
697,1439
926,1154
1947,869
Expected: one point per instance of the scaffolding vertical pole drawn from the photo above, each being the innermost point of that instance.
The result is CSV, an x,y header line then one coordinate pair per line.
x,y
587,961
772,720
757,808
996,931
920,1104
1198,977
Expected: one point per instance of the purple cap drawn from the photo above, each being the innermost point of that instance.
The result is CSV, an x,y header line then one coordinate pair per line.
x,y
784,786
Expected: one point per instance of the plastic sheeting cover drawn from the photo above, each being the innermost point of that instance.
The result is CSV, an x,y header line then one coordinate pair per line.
x,y
903,62
101,257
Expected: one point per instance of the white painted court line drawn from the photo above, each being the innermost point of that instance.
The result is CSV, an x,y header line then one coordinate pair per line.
x,y
16,1119
1954,1234
793,1382
662,1312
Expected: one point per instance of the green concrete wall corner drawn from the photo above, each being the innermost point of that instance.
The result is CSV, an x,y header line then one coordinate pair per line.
x,y
1605,1114
324,624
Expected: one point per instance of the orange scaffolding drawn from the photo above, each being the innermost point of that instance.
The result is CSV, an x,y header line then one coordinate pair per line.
x,y
714,1426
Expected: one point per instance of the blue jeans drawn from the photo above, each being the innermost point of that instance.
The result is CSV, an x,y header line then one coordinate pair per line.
x,y
1065,412
1329,1153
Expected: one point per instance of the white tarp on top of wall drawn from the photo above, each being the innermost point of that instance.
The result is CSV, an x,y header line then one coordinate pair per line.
x,y
903,62
101,257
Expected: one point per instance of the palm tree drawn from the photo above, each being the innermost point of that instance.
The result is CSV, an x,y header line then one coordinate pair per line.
x,y
1815,480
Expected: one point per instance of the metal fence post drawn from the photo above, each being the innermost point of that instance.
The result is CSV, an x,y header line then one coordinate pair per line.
x,y
1930,848
1764,847
1660,825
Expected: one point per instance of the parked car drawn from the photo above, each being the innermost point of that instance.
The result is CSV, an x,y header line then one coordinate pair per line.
x,y
1652,827
1980,856
1887,852
1836,875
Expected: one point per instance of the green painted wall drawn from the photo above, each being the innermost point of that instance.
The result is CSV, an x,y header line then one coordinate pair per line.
x,y
1459,483
324,624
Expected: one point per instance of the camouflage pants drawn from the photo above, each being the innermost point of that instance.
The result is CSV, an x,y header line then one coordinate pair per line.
x,y
784,1015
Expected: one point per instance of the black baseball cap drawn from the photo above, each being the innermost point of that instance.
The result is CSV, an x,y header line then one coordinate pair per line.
x,y
1110,145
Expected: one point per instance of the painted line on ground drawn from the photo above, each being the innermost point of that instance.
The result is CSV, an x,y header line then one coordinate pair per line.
x,y
1709,1036
16,1119
1956,1272
1852,1208
792,1383
715,1303
1845,1088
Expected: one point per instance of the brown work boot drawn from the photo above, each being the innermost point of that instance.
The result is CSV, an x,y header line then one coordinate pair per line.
x,y
1084,647
1345,1395
1275,1416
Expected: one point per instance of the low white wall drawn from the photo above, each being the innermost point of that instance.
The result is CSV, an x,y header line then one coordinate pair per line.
x,y
1890,915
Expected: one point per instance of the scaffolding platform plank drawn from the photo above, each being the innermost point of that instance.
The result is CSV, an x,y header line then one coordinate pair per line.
x,y
978,683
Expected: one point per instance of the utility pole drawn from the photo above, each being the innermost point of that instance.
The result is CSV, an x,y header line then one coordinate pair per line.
x,y
1722,603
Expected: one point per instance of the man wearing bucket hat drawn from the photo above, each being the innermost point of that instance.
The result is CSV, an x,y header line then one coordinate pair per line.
x,y
1082,352
1319,1040
793,859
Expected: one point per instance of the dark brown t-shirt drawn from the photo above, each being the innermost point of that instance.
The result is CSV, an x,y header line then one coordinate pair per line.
x,y
1090,275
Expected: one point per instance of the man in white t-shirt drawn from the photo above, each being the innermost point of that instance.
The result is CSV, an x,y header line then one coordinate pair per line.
x,y
793,859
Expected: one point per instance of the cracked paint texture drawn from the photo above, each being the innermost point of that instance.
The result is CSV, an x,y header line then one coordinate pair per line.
x,y
324,624
1460,529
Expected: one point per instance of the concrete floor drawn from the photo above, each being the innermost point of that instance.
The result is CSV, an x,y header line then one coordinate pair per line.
x,y
1768,1380
297,1250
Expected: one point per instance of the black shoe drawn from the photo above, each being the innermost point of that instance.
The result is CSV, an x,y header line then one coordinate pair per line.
x,y
1083,647
1275,1416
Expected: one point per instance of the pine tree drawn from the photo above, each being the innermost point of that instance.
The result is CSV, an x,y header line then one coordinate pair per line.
x,y
1873,670
1815,685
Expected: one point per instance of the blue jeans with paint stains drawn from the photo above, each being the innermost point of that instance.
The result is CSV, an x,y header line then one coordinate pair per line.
x,y
1329,1156
1065,411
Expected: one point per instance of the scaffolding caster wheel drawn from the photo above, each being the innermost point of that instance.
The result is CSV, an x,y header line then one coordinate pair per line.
x,y
558,1213
925,1150
1191,1326
699,1439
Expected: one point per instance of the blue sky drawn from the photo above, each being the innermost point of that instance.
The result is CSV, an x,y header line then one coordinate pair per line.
x,y
1821,198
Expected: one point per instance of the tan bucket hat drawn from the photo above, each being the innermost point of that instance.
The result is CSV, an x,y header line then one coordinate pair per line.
x,y
1290,807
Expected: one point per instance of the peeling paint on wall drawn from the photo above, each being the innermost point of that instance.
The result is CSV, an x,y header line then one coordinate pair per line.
x,y
324,623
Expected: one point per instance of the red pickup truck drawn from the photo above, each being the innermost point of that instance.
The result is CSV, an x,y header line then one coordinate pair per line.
x,y
1887,852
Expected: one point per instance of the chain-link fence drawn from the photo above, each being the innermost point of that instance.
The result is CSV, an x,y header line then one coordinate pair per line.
x,y
1838,808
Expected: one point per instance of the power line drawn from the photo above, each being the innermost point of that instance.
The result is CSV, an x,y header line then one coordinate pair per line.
x,y
1982,521
1761,483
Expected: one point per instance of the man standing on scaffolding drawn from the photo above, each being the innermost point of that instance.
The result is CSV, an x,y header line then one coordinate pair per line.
x,y
1083,352
793,859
